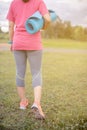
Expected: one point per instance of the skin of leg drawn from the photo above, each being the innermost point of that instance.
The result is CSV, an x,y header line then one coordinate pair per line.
x,y
37,98
37,94
20,59
21,93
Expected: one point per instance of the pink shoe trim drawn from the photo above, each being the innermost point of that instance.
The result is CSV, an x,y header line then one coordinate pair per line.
x,y
24,104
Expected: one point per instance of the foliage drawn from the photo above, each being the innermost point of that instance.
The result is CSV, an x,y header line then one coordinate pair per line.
x,y
64,29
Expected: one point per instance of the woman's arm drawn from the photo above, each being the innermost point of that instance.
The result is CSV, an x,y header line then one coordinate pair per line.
x,y
47,20
11,30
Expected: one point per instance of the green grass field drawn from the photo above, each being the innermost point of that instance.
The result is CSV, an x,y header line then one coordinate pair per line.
x,y
64,98
64,43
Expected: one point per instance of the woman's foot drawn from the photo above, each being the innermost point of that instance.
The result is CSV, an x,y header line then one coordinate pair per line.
x,y
37,110
24,104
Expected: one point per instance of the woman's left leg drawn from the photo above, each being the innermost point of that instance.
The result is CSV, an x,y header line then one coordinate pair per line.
x,y
20,60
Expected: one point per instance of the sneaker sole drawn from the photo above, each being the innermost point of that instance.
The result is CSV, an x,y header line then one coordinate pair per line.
x,y
22,108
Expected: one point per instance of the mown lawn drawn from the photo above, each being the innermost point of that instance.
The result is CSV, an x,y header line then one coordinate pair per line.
x,y
64,98
64,43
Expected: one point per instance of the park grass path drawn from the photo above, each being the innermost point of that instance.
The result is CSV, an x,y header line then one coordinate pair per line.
x,y
6,47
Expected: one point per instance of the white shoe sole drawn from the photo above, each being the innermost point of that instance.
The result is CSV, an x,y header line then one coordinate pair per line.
x,y
22,108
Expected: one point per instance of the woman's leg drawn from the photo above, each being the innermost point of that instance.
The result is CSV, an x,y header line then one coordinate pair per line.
x,y
20,60
35,61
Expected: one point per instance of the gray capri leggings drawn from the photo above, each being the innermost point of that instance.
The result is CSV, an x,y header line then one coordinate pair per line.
x,y
35,61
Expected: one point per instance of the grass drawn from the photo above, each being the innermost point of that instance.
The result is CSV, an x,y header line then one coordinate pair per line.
x,y
64,43
4,37
64,98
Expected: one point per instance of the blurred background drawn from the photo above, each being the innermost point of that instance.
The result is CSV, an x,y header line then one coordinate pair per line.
x,y
72,22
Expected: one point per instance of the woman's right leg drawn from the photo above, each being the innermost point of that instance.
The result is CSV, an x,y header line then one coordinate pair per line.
x,y
20,60
35,61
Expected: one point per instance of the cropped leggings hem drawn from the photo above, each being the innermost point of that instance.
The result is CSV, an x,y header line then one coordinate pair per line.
x,y
34,58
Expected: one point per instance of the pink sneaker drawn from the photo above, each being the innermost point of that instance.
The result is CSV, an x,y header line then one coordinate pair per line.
x,y
24,104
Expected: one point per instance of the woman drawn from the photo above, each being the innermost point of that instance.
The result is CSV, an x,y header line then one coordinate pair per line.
x,y
25,47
